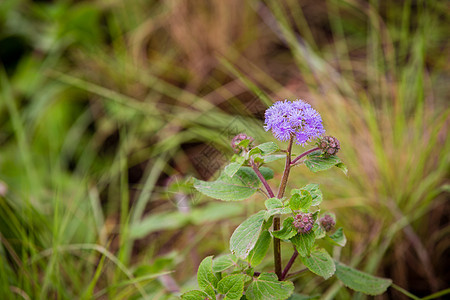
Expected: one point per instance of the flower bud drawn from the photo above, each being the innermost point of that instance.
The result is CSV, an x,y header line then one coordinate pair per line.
x,y
239,138
303,222
327,222
329,145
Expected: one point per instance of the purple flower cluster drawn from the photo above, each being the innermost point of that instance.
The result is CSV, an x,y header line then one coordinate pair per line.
x,y
296,118
304,222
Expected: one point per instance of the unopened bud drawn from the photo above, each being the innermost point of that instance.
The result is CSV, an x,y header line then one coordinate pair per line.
x,y
329,145
238,139
303,222
327,222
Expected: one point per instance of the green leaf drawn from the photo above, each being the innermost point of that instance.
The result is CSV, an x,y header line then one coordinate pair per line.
x,y
266,148
320,263
245,236
267,287
207,281
233,167
316,193
360,281
319,232
301,199
338,237
258,253
316,162
194,295
288,230
273,157
242,185
223,262
277,211
273,203
232,286
304,242
303,297
343,168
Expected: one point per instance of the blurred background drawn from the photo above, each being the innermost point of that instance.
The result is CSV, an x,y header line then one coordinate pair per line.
x,y
109,108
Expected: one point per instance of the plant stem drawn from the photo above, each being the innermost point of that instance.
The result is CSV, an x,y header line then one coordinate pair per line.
x,y
287,169
276,218
263,180
304,154
289,264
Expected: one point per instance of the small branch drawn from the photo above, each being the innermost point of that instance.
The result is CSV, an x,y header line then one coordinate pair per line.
x,y
289,264
263,180
304,154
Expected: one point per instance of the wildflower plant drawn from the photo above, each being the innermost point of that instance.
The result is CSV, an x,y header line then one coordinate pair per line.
x,y
234,276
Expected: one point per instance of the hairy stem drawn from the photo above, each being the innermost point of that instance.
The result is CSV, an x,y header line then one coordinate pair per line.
x,y
276,218
262,179
289,265
303,155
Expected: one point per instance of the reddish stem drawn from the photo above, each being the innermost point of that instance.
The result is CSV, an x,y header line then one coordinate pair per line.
x,y
304,154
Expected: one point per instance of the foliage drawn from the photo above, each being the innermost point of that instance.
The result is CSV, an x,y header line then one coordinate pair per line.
x,y
250,240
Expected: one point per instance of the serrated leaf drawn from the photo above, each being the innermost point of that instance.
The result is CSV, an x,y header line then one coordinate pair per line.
x,y
360,281
223,262
233,167
320,262
277,211
267,287
316,193
266,148
316,162
242,185
245,236
273,203
258,253
301,199
288,230
194,295
232,286
207,281
304,242
338,237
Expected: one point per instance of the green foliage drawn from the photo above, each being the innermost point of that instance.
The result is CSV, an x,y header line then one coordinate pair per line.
x,y
300,200
232,286
194,295
317,162
288,231
258,252
304,242
267,287
246,235
360,281
206,278
224,262
240,186
338,237
320,263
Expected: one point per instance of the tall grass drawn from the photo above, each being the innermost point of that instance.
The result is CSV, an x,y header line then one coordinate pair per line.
x,y
112,106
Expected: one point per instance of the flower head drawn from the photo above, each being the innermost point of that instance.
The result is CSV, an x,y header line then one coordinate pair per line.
x,y
303,222
327,222
297,118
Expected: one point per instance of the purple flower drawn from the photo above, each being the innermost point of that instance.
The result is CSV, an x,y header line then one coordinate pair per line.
x,y
297,118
